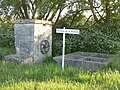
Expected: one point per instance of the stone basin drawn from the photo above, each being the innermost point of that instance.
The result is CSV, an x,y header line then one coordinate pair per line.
x,y
85,60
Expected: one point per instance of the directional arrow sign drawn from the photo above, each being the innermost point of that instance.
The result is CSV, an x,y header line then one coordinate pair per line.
x,y
66,31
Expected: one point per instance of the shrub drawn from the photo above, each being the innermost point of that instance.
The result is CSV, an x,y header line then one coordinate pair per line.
x,y
91,39
7,38
6,51
6,33
49,59
96,41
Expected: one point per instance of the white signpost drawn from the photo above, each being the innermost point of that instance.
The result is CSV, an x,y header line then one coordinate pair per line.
x,y
65,31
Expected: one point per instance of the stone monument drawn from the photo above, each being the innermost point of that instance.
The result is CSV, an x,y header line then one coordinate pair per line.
x,y
33,40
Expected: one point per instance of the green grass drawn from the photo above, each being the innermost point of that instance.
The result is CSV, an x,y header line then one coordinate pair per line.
x,y
115,63
49,76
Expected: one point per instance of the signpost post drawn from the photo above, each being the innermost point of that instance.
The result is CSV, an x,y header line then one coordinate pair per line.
x,y
65,31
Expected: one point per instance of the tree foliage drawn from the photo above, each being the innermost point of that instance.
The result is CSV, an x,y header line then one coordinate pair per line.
x,y
101,11
32,9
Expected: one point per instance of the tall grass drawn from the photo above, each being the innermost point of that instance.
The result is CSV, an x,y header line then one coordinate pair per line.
x,y
51,77
115,63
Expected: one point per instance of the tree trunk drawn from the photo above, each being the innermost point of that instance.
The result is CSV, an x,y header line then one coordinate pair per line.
x,y
23,17
92,9
24,6
54,13
107,20
58,17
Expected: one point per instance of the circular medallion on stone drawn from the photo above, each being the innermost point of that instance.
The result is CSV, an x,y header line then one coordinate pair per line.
x,y
44,46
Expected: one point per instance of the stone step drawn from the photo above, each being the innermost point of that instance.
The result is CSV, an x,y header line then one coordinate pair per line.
x,y
25,59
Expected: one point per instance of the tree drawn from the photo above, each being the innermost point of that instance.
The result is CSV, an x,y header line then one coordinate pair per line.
x,y
102,11
32,9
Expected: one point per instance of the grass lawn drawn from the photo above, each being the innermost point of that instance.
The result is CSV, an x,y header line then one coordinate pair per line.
x,y
49,76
